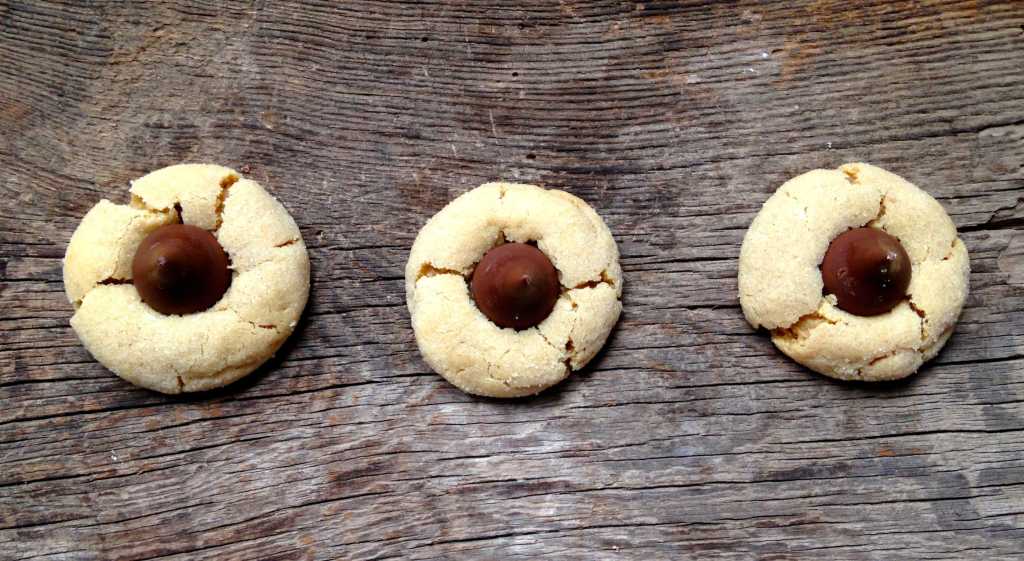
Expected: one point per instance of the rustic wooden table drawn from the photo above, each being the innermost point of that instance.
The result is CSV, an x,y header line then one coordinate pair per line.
x,y
689,437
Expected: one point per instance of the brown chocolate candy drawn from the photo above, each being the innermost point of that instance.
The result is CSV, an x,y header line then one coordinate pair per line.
x,y
180,269
515,285
867,270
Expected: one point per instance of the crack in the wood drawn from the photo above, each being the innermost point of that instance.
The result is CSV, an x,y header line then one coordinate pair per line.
x,y
977,361
850,438
1008,224
187,552
298,506
909,500
579,528
43,523
147,514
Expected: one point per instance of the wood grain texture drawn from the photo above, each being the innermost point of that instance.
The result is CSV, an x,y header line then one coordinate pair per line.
x,y
689,437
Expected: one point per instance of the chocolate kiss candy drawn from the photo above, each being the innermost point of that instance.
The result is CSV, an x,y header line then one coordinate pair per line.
x,y
515,285
867,270
180,269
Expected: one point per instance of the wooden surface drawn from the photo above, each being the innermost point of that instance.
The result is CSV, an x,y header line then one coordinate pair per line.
x,y
690,437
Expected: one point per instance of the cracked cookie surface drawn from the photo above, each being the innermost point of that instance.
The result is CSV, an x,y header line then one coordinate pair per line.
x,y
781,286
203,350
454,336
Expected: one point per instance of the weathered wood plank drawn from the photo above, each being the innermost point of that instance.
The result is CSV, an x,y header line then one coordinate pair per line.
x,y
689,437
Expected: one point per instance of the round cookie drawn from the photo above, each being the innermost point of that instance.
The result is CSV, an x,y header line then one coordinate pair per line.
x,y
206,349
459,342
781,285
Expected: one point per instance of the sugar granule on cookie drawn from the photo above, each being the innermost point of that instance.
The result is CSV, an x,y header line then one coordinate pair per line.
x,y
193,285
512,287
857,273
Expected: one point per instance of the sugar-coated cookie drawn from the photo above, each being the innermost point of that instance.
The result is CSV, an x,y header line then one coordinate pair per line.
x,y
781,286
469,348
269,286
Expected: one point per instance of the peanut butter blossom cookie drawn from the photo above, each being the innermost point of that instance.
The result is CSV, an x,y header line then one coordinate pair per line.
x,y
194,284
512,287
857,273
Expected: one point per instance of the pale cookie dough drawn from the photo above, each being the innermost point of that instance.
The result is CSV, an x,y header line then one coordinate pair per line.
x,y
469,350
207,349
781,286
